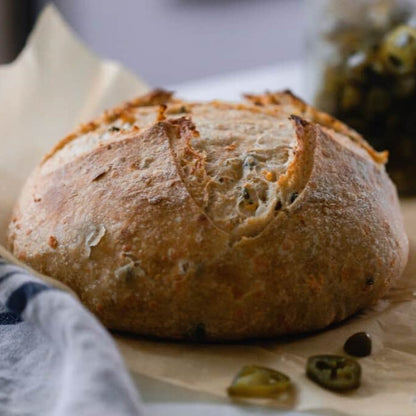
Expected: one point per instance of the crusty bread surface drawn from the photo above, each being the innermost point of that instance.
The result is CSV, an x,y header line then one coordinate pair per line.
x,y
214,221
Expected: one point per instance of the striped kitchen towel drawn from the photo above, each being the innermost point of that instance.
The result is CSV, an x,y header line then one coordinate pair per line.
x,y
55,357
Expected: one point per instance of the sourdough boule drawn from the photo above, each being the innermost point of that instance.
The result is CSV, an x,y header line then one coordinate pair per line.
x,y
214,221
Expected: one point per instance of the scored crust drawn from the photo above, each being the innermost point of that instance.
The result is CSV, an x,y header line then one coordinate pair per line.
x,y
214,221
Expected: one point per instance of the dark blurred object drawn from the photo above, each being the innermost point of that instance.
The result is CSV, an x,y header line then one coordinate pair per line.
x,y
367,76
16,20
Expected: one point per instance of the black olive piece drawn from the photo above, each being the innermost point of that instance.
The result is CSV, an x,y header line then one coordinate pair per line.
x,y
369,281
114,128
334,372
293,197
197,333
358,345
278,206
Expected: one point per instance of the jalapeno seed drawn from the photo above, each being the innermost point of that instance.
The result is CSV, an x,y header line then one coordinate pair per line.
x,y
334,372
258,382
358,345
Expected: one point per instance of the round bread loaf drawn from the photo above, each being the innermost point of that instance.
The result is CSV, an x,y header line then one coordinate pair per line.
x,y
214,221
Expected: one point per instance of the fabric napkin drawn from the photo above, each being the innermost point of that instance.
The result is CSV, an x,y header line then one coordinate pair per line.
x,y
55,357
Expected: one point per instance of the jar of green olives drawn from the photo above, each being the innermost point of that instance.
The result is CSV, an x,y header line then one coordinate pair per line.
x,y
362,70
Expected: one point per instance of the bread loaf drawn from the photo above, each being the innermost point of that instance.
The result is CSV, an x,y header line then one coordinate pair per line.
x,y
214,221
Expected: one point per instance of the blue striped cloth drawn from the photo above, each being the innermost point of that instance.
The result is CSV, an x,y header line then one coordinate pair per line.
x,y
55,357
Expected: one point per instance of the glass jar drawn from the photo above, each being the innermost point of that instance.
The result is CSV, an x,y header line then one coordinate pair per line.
x,y
362,70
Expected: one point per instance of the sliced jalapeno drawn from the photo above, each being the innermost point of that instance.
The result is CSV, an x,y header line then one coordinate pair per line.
x,y
254,381
334,372
358,345
398,51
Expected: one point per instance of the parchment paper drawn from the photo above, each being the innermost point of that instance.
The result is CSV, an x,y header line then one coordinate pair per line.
x,y
56,83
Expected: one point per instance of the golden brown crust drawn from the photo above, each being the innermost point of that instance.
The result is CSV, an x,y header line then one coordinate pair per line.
x,y
156,97
130,223
287,98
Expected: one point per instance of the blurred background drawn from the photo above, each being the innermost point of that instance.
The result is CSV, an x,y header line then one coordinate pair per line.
x,y
171,41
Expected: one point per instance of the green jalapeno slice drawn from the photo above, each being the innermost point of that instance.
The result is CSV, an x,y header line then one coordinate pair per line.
x,y
258,382
334,372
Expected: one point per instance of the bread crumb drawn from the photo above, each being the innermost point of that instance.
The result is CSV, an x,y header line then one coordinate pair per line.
x,y
53,242
161,113
111,116
128,118
269,175
88,127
